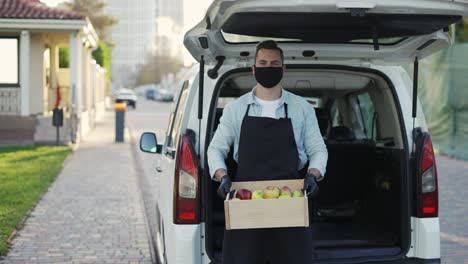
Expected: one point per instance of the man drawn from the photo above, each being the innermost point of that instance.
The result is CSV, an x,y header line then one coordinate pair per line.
x,y
275,134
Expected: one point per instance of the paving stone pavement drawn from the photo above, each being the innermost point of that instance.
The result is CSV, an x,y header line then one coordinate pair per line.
x,y
92,213
453,209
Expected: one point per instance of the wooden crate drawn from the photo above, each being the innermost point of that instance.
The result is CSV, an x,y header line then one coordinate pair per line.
x,y
267,213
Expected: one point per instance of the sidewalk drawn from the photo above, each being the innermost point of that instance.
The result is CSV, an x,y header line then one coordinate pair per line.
x,y
453,210
92,213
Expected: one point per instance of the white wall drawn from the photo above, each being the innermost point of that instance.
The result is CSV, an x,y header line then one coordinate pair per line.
x,y
36,71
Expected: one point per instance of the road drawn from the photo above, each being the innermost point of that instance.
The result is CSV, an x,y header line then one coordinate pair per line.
x,y
453,182
150,116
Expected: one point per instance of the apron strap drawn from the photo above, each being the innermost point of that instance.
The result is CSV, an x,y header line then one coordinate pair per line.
x,y
286,110
247,112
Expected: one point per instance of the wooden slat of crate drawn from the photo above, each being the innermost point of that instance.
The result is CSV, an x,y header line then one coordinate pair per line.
x,y
294,185
267,213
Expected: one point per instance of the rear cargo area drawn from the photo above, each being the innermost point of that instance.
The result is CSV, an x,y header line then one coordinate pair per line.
x,y
359,212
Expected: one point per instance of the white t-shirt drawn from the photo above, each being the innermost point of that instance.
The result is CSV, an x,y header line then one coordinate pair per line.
x,y
268,107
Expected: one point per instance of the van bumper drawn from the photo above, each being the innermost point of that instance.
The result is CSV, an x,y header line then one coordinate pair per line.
x,y
412,261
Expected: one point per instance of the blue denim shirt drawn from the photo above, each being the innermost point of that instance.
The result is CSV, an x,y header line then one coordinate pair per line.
x,y
309,141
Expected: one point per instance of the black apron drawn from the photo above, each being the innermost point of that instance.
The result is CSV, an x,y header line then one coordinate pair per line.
x,y
267,151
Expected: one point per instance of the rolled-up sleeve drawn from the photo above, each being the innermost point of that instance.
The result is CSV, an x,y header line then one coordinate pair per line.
x,y
314,145
223,139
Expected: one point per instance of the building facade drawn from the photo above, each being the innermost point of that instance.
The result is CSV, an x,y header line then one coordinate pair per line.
x,y
32,83
145,28
169,28
133,37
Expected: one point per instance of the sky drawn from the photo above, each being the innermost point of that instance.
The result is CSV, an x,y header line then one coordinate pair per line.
x,y
52,2
194,11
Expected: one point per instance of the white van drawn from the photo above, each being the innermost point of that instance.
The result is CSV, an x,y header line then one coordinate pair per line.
x,y
379,199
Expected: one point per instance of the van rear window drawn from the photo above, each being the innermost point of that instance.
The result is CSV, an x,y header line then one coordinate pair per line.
x,y
333,28
243,39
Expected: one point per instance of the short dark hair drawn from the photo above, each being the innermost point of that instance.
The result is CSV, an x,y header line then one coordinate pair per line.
x,y
269,44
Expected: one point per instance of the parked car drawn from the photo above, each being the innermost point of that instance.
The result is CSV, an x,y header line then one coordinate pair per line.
x,y
151,94
379,199
128,96
166,95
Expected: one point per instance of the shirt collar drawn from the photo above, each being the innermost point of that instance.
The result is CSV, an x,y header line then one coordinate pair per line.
x,y
251,97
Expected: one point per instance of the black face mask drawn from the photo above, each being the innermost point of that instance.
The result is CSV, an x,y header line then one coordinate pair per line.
x,y
268,77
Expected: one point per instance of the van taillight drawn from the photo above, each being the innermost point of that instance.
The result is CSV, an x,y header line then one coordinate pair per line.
x,y
428,196
186,198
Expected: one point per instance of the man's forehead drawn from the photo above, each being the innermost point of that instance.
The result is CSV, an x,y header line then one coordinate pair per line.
x,y
269,54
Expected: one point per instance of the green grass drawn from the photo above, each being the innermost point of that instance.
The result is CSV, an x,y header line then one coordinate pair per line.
x,y
25,173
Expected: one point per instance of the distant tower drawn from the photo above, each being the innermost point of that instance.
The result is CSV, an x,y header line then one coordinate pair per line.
x,y
169,28
133,36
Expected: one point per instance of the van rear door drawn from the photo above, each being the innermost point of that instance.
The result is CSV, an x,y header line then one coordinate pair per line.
x,y
380,31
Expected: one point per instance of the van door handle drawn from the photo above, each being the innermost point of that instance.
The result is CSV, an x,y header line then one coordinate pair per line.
x,y
158,165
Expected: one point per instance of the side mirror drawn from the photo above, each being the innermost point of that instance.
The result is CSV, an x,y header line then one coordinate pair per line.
x,y
149,144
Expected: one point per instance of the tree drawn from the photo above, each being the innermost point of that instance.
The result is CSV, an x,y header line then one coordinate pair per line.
x,y
64,57
94,10
155,68
102,55
461,31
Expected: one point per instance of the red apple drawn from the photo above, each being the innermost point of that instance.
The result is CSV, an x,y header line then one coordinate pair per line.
x,y
243,194
271,192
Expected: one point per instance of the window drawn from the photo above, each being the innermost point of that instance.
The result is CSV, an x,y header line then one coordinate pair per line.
x,y
9,62
366,113
223,101
176,116
336,119
330,28
242,39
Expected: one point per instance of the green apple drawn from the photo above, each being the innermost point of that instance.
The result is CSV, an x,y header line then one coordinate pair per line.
x,y
271,192
284,196
285,191
297,194
258,194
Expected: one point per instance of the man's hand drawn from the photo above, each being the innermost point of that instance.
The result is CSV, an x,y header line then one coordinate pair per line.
x,y
316,173
224,187
219,174
310,185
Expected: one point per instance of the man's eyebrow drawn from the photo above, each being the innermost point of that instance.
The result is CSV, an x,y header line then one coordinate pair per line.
x,y
268,60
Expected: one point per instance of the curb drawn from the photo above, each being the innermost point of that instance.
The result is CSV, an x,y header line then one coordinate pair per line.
x,y
138,171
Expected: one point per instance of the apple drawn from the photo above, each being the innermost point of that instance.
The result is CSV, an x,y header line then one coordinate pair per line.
x,y
297,194
258,194
243,194
285,191
271,192
284,196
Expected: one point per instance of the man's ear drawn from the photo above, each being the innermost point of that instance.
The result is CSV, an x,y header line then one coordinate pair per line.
x,y
253,69
284,68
